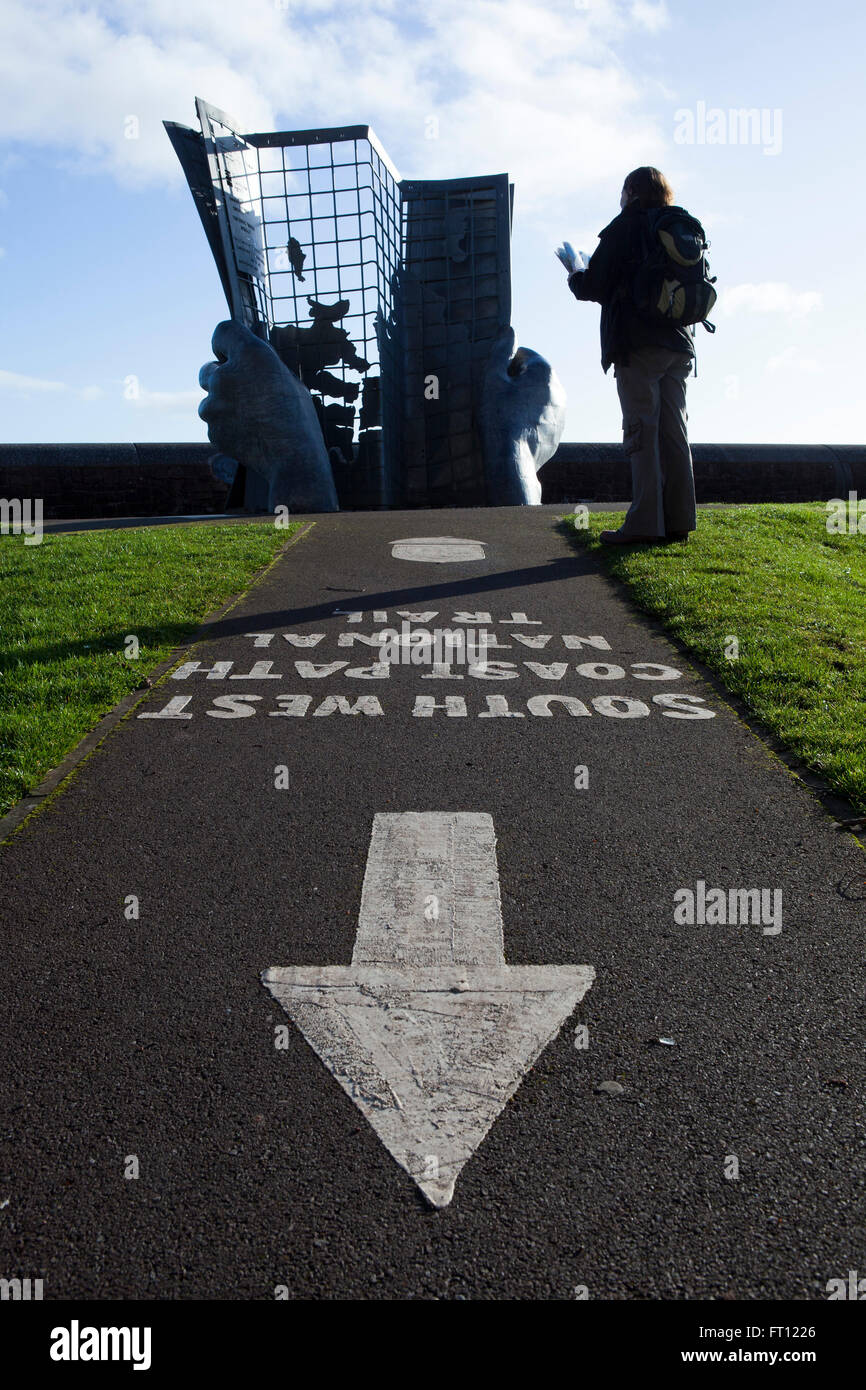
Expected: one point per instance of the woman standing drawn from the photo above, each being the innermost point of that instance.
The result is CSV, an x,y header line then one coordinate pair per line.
x,y
652,359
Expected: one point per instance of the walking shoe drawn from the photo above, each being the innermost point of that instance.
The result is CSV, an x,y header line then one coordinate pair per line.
x,y
617,538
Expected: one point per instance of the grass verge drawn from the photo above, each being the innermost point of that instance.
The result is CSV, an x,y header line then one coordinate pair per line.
x,y
775,605
68,608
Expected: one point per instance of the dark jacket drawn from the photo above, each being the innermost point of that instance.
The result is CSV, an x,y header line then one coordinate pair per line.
x,y
606,281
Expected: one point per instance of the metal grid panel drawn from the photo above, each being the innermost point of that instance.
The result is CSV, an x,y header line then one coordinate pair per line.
x,y
366,286
312,225
330,216
341,206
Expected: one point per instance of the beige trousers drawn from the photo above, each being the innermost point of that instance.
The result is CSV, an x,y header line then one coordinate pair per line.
x,y
652,393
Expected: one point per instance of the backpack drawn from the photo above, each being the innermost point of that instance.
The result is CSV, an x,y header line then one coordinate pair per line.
x,y
672,283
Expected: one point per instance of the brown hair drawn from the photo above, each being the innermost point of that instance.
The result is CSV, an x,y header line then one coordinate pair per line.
x,y
649,186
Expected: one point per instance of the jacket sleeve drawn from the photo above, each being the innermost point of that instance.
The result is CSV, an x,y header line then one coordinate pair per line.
x,y
603,273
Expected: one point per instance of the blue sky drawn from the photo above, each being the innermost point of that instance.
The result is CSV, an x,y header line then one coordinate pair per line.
x,y
106,274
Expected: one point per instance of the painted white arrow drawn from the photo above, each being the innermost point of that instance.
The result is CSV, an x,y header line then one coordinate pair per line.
x,y
428,1030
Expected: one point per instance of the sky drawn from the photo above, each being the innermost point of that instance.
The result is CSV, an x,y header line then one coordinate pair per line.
x,y
106,277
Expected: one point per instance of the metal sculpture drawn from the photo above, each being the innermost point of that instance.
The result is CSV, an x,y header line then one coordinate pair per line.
x,y
388,303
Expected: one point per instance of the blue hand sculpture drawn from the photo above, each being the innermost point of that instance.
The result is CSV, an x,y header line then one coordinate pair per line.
x,y
522,414
260,414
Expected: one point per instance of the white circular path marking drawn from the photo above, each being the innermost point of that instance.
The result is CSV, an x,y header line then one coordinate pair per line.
x,y
438,550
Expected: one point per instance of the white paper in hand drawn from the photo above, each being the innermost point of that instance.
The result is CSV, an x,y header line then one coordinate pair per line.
x,y
571,259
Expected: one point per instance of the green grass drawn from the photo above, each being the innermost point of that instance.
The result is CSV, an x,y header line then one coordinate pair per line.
x,y
795,598
67,607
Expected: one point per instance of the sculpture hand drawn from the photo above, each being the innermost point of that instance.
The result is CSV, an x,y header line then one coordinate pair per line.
x,y
522,417
259,413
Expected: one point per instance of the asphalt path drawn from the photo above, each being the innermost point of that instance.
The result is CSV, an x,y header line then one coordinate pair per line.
x,y
154,1039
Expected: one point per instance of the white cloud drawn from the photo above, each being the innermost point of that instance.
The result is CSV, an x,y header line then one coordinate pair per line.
x,y
649,16
711,220
538,90
770,297
614,16
15,381
167,401
791,360
20,384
